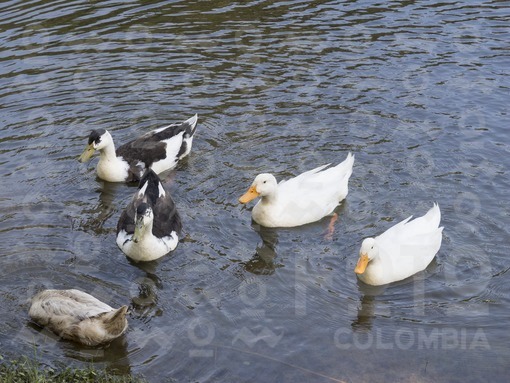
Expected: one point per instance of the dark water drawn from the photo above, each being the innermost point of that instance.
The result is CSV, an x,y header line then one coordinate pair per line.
x,y
418,91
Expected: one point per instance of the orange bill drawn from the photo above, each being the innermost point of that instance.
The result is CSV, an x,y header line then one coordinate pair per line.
x,y
251,194
362,264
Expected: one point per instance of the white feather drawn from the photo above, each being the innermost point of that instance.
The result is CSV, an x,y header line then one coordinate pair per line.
x,y
142,190
303,199
403,250
161,191
149,247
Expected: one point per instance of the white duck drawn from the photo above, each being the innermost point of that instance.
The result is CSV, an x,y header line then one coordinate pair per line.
x,y
78,316
149,226
160,150
401,251
303,199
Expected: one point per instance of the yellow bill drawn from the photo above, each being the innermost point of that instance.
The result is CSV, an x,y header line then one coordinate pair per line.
x,y
87,153
138,232
362,264
251,194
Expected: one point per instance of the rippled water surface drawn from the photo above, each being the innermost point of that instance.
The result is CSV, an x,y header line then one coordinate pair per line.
x,y
418,91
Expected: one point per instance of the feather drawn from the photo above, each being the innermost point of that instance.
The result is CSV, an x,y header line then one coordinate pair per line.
x,y
160,224
78,316
160,150
306,198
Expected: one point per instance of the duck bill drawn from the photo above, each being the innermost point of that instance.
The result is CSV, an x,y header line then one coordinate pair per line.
x,y
137,235
362,264
251,194
87,153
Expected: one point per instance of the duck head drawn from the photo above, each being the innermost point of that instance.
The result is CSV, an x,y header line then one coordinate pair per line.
x,y
143,221
367,253
264,185
114,322
98,139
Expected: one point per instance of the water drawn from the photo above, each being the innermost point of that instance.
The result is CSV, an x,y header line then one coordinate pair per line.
x,y
418,91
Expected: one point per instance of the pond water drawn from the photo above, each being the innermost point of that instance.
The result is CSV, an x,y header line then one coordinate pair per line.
x,y
417,90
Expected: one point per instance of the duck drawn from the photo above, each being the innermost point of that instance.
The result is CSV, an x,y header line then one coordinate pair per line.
x,y
306,198
78,316
150,225
160,150
401,251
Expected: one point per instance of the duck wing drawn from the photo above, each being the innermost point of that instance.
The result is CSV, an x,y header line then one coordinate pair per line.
x,y
323,185
127,218
423,225
49,305
148,148
152,146
417,240
166,217
300,182
408,231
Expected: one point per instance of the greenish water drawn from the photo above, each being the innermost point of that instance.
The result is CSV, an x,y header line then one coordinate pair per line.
x,y
418,91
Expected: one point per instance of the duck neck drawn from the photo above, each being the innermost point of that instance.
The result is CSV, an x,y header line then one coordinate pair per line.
x,y
269,199
374,262
108,153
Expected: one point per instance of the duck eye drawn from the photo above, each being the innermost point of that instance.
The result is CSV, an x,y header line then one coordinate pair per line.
x,y
265,181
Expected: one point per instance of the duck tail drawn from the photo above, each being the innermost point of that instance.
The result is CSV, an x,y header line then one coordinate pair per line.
x,y
349,160
435,214
343,172
345,168
190,125
150,186
149,176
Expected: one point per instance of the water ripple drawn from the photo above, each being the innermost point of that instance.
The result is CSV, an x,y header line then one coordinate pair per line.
x,y
417,90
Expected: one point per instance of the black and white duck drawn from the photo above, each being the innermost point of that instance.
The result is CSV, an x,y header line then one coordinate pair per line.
x,y
160,150
150,225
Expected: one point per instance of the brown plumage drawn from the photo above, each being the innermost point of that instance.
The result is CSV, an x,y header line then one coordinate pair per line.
x,y
78,316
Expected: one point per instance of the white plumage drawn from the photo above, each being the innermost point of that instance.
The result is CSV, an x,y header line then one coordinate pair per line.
x,y
401,251
303,199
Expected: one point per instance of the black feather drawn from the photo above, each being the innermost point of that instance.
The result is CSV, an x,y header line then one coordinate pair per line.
x,y
141,209
149,148
182,149
152,191
135,173
95,136
166,217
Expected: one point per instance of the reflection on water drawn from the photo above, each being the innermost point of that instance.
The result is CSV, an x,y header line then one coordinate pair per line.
x,y
263,262
145,299
416,90
97,214
365,316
